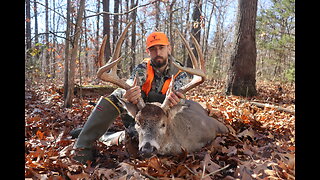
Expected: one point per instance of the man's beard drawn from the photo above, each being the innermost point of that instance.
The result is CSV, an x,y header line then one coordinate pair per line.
x,y
158,64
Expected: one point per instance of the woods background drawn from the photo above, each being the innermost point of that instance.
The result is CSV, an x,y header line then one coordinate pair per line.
x,y
61,45
60,48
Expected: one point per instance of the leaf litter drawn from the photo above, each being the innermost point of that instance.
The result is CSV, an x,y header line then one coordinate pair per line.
x,y
260,145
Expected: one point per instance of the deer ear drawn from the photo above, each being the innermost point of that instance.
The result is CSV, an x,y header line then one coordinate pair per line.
x,y
171,112
131,108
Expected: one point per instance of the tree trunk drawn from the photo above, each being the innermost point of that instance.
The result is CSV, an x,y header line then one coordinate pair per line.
x,y
28,26
68,102
157,14
36,38
115,32
96,64
171,26
185,56
35,12
242,70
54,41
115,23
86,49
47,53
66,53
196,27
133,35
106,29
205,44
126,44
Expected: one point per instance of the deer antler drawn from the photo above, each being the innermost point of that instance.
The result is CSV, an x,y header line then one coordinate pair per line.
x,y
198,69
111,66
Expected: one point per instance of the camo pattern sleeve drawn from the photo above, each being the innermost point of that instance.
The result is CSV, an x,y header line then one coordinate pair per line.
x,y
141,71
142,75
181,80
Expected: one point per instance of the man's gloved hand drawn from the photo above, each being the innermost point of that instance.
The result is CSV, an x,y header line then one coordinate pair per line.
x,y
133,94
174,97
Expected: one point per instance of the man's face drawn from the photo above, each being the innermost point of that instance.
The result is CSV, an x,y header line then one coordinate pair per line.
x,y
159,54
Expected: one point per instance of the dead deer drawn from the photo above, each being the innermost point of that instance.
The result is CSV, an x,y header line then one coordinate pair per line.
x,y
164,130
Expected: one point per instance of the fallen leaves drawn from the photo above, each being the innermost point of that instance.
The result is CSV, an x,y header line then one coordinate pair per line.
x,y
260,145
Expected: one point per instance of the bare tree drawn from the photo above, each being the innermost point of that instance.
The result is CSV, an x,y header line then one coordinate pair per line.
x,y
35,12
106,28
47,54
28,25
207,32
66,53
70,94
196,26
36,38
133,35
97,37
157,15
186,30
54,41
115,23
170,12
242,70
86,63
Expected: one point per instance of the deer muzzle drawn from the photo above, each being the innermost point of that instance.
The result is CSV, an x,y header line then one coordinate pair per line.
x,y
147,150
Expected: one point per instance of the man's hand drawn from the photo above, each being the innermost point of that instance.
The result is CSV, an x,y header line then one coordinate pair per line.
x,y
174,98
133,94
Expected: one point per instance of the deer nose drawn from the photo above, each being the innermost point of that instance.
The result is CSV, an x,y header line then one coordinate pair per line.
x,y
147,150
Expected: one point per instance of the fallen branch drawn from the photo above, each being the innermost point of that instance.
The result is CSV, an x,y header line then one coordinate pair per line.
x,y
262,105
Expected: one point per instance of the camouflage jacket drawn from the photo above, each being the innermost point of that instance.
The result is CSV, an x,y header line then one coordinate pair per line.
x,y
158,81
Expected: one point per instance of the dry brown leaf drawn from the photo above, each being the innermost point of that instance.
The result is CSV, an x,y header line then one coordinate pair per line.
x,y
248,132
208,164
47,145
232,150
83,176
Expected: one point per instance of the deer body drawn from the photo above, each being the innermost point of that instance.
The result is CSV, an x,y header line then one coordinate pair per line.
x,y
185,126
192,128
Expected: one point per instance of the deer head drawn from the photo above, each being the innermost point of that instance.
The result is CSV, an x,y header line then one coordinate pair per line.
x,y
153,120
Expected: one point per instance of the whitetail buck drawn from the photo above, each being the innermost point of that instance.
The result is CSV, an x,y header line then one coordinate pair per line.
x,y
164,130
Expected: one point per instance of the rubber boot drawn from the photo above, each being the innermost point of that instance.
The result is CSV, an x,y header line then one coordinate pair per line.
x,y
99,121
112,138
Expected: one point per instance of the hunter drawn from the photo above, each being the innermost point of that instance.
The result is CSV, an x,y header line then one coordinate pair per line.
x,y
154,77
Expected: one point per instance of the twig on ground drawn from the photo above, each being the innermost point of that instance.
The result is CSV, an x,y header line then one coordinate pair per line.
x,y
214,172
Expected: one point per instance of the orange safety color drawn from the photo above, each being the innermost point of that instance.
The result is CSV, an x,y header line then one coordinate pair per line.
x,y
146,87
157,38
167,83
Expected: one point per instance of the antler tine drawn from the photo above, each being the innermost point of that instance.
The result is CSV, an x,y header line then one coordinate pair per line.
x,y
111,65
200,54
197,71
193,58
101,52
166,103
116,52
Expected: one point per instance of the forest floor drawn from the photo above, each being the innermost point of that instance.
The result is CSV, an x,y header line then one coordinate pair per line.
x,y
260,146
